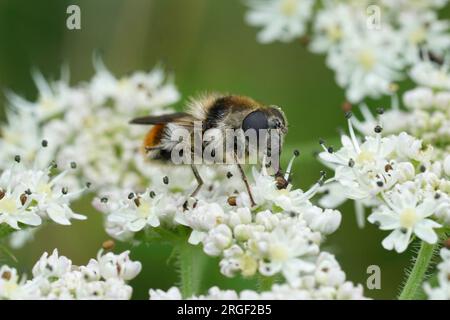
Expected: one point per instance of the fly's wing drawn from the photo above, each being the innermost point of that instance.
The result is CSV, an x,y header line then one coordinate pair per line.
x,y
162,119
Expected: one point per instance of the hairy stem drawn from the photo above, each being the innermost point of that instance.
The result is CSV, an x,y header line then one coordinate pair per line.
x,y
417,274
190,265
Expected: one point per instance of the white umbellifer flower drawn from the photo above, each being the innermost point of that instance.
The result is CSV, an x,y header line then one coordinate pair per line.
x,y
419,98
14,210
171,294
422,30
406,215
393,120
52,199
430,75
366,64
282,20
55,277
52,266
360,168
325,280
201,219
118,266
138,211
442,290
286,249
325,221
331,26
218,239
12,288
29,196
87,124
415,4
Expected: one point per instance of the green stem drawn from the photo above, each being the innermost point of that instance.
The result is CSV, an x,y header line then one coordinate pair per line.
x,y
265,283
190,267
418,271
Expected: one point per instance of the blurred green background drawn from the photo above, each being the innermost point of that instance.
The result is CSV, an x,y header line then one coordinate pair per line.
x,y
207,46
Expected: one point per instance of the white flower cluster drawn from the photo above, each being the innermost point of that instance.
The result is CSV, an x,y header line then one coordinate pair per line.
x,y
442,290
368,43
325,282
403,181
54,277
88,124
281,235
427,109
29,195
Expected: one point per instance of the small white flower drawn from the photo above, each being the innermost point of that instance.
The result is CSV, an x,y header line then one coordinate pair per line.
x,y
406,215
430,75
171,294
14,209
286,249
118,266
201,219
366,63
419,98
218,239
138,211
281,20
240,216
442,290
325,221
52,266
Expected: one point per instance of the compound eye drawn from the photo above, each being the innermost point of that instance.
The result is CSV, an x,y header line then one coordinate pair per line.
x,y
256,120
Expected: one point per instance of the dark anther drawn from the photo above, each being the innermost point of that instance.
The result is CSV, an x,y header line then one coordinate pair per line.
x,y
296,153
23,198
348,115
330,150
403,230
166,180
437,195
6,275
388,168
380,183
351,163
73,165
378,129
64,190
44,143
321,141
28,192
17,158
422,168
131,195
152,194
88,184
137,201
104,199
232,200
229,174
